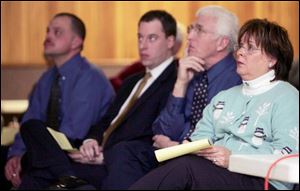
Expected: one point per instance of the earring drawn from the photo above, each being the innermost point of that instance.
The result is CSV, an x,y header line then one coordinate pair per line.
x,y
270,65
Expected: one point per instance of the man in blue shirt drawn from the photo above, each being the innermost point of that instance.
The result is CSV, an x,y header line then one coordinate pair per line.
x,y
85,92
211,39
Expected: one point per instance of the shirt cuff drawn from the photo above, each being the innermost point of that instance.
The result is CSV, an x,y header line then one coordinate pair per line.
x,y
176,104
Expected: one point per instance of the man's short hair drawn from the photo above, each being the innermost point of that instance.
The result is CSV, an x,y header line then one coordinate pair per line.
x,y
78,26
167,20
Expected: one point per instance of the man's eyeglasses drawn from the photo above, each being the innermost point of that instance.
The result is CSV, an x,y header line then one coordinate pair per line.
x,y
198,29
249,50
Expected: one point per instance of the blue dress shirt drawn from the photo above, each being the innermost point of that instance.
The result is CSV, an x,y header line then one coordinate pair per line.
x,y
174,120
86,95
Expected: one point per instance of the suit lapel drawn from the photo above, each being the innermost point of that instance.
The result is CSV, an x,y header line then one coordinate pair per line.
x,y
165,75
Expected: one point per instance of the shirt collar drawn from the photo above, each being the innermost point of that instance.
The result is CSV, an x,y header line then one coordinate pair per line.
x,y
219,67
70,66
260,84
155,72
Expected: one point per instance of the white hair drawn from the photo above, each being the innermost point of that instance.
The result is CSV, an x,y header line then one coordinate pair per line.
x,y
227,22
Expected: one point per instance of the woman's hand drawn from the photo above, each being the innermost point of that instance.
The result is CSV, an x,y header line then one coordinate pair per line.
x,y
217,154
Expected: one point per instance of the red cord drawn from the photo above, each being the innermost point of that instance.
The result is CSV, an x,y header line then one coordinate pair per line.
x,y
272,166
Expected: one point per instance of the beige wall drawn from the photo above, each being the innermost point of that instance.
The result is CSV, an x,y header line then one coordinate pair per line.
x,y
111,26
111,32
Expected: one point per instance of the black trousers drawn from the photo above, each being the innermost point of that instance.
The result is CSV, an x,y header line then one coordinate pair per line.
x,y
126,162
196,173
44,162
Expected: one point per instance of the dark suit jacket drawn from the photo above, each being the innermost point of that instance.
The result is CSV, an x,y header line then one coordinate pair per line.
x,y
137,125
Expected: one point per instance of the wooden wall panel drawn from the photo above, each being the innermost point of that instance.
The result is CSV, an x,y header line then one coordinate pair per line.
x,y
112,26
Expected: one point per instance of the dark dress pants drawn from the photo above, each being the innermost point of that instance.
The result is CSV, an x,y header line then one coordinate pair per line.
x,y
196,173
44,162
126,162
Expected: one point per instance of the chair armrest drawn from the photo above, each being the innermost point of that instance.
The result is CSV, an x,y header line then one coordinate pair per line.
x,y
257,165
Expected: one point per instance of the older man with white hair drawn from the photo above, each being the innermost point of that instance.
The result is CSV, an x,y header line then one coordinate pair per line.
x,y
207,68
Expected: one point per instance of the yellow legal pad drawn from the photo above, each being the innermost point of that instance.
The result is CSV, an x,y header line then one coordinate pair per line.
x,y
8,135
182,149
62,140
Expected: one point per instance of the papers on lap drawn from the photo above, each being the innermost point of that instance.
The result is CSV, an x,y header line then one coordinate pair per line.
x,y
8,135
62,140
182,149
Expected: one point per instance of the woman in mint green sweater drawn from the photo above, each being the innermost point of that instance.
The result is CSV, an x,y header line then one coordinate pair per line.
x,y
261,116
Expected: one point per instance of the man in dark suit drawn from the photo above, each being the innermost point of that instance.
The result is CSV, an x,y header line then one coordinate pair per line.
x,y
122,140
137,66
